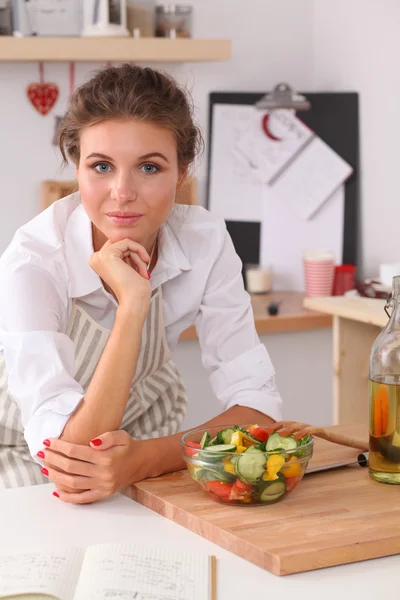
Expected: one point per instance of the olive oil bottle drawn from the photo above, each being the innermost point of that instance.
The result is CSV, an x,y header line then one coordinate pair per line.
x,y
384,397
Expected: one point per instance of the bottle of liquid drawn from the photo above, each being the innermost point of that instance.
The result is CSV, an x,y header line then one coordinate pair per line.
x,y
384,394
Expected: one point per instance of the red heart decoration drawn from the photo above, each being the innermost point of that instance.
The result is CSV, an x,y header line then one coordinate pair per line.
x,y
43,96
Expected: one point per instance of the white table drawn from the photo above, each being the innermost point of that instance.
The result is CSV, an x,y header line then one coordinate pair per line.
x,y
32,517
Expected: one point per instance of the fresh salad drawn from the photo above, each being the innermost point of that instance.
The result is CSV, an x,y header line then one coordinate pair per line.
x,y
234,468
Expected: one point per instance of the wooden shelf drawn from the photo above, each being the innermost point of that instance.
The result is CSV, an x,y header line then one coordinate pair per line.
x,y
292,315
13,49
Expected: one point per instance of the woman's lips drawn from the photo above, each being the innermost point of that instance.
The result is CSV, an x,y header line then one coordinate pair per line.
x,y
120,219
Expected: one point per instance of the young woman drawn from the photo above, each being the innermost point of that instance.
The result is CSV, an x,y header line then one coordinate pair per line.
x,y
96,291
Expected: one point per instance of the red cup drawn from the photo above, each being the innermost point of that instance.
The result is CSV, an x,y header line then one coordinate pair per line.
x,y
345,279
319,272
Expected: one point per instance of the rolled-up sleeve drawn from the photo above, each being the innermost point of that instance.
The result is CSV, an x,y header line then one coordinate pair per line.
x,y
40,360
241,371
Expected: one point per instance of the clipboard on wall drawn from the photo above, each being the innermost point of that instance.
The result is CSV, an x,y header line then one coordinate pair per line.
x,y
334,117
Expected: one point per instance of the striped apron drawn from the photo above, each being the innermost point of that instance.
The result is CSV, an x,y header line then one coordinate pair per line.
x,y
157,399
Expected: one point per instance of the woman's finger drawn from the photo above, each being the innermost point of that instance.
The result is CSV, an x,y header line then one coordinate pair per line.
x,y
129,245
77,482
69,465
72,482
81,498
302,432
110,439
136,263
70,450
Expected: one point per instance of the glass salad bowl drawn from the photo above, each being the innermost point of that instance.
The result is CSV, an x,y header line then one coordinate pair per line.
x,y
245,464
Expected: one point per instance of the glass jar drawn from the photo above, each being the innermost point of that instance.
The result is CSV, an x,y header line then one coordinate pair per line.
x,y
5,18
384,396
173,21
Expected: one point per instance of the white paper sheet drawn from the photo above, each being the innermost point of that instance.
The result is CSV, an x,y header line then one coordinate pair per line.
x,y
284,234
315,174
273,140
235,192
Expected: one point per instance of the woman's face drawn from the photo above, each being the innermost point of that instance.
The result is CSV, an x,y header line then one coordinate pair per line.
x,y
128,175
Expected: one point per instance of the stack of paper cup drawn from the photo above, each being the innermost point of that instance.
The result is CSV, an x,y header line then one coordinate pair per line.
x,y
319,271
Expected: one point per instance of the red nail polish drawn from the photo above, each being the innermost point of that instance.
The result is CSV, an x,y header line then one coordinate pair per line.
x,y
40,454
56,495
96,442
148,274
44,471
46,443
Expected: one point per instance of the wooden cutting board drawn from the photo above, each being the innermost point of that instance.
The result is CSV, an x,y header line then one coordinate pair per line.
x,y
331,518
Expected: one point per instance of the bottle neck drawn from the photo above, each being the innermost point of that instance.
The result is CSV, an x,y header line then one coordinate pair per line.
x,y
394,321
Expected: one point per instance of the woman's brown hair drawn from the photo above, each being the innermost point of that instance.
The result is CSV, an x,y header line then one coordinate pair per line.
x,y
131,92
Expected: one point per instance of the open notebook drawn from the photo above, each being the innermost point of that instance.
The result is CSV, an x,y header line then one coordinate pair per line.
x,y
107,571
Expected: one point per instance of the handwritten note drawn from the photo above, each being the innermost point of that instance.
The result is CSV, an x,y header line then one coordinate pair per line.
x,y
272,141
312,179
142,573
54,572
235,190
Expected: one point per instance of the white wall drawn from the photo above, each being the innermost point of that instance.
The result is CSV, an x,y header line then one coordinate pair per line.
x,y
356,48
271,41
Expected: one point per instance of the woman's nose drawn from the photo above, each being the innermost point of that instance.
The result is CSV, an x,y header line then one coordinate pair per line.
x,y
123,190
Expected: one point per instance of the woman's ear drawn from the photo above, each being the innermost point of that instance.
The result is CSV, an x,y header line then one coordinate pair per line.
x,y
182,178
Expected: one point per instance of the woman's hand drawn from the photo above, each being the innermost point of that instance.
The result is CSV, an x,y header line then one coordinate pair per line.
x,y
99,471
123,267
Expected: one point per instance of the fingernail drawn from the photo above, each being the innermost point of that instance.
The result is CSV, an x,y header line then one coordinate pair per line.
x,y
40,454
44,471
148,274
56,495
96,442
46,443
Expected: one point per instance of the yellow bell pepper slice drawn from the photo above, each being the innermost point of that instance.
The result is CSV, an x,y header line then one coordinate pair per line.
x,y
236,438
229,468
292,470
274,464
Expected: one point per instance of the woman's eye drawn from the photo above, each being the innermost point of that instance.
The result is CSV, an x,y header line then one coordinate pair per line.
x,y
149,168
101,167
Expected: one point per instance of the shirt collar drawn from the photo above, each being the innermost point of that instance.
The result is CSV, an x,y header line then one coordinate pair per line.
x,y
78,249
172,259
83,280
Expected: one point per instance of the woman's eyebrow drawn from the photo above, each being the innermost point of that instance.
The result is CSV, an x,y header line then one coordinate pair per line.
x,y
98,155
151,154
144,157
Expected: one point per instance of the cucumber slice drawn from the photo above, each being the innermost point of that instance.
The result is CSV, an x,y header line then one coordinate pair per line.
x,y
205,440
277,442
215,453
197,473
214,475
250,466
213,441
220,448
273,491
225,436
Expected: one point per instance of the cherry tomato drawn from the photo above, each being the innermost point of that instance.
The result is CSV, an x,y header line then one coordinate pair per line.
x,y
241,488
220,489
291,482
260,433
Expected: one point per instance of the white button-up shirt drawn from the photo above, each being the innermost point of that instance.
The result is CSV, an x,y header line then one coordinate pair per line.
x,y
46,266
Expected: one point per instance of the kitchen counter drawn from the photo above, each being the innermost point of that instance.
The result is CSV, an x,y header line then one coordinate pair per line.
x,y
292,316
32,518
